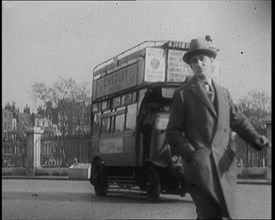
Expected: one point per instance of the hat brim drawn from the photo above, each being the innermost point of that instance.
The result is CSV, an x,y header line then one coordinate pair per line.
x,y
187,56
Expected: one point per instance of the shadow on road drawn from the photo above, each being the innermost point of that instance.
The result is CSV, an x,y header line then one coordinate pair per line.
x,y
137,198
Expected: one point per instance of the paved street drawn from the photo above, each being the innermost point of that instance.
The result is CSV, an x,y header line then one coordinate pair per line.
x,y
64,199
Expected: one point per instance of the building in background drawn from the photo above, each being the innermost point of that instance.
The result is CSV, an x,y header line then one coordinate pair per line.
x,y
7,123
46,125
24,123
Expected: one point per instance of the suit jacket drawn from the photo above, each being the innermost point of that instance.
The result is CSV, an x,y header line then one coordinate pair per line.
x,y
200,132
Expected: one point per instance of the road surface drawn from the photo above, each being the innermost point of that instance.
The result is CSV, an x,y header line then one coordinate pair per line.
x,y
65,199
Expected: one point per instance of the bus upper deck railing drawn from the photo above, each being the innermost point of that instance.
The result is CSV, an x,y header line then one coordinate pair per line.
x,y
145,44
125,53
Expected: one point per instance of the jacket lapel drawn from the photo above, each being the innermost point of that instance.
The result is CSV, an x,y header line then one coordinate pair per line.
x,y
197,88
220,100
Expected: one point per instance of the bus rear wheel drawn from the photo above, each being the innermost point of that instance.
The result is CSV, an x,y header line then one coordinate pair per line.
x,y
153,185
100,183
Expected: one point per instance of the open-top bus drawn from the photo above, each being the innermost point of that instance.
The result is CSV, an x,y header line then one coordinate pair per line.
x,y
134,87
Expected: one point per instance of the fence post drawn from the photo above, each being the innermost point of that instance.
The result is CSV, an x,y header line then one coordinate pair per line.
x,y
267,132
33,150
269,153
268,174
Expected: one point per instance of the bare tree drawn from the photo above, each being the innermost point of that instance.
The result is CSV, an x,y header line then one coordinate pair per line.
x,y
66,98
256,106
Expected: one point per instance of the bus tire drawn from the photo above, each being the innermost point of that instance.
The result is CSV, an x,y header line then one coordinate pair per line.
x,y
93,170
99,179
153,184
92,180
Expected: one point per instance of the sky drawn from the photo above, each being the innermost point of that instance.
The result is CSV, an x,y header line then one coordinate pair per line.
x,y
43,40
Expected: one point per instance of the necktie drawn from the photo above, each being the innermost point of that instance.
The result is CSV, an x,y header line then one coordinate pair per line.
x,y
210,92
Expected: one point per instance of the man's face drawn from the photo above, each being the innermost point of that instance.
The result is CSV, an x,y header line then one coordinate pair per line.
x,y
202,66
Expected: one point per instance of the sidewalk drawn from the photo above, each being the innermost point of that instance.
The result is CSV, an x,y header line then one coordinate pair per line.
x,y
39,177
254,181
82,171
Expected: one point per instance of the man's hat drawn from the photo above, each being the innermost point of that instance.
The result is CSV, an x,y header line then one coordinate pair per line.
x,y
199,46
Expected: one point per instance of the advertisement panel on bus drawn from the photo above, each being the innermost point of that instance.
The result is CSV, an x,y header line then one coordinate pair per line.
x,y
117,81
154,65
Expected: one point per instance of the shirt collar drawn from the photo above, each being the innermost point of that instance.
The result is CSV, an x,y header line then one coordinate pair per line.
x,y
209,82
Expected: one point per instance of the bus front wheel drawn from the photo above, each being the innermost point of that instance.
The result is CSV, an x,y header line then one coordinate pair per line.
x,y
100,183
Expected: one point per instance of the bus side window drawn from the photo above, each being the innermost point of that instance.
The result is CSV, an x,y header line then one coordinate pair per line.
x,y
105,124
119,121
96,124
112,124
131,117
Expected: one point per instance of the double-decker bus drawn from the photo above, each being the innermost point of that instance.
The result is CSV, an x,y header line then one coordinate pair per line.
x,y
131,97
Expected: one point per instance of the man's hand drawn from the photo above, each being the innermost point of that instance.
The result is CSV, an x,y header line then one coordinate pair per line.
x,y
263,142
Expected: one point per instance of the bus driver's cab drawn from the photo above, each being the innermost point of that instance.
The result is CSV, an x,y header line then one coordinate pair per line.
x,y
153,118
150,106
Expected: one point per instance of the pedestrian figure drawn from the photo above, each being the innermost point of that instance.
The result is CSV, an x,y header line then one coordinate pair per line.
x,y
199,130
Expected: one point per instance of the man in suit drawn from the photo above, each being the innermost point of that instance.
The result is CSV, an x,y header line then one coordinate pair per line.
x,y
199,130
